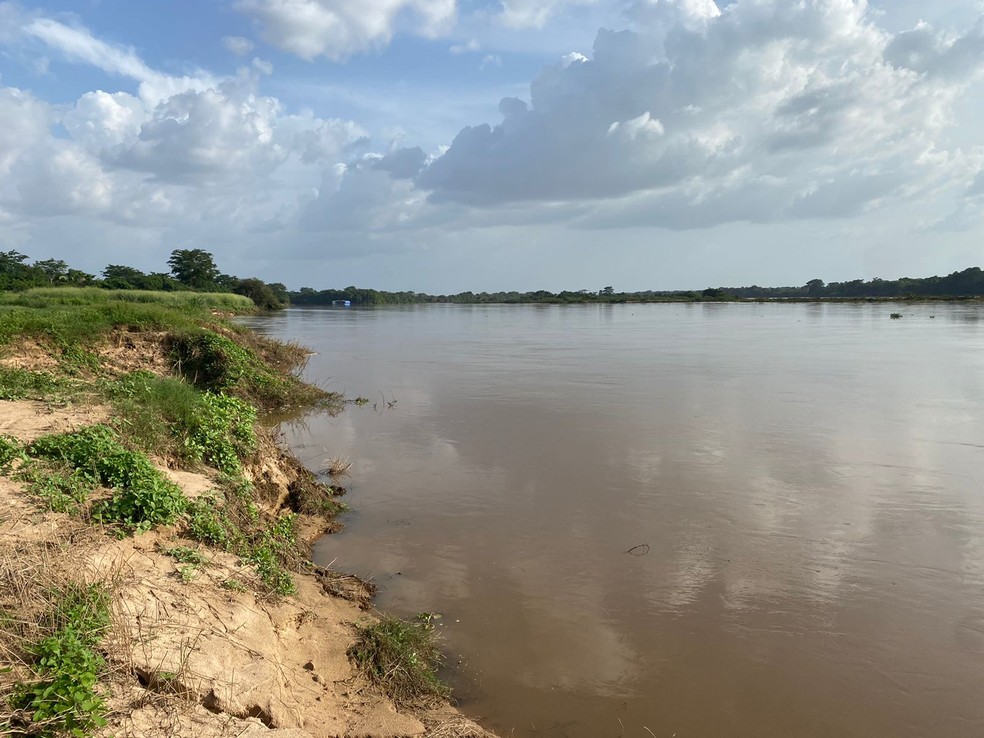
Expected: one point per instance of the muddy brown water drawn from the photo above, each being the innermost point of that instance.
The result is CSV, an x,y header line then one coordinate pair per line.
x,y
694,520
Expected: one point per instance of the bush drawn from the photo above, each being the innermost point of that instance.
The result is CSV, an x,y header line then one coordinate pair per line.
x,y
401,657
143,498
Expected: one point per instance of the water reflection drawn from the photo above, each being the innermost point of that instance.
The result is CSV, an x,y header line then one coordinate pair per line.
x,y
806,478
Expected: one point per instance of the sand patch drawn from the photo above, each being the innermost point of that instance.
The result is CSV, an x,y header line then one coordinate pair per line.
x,y
27,420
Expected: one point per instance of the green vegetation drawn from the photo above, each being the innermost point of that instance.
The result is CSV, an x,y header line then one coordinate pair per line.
x,y
10,451
169,417
966,283
402,657
19,384
60,487
86,296
193,273
62,698
233,523
185,555
143,497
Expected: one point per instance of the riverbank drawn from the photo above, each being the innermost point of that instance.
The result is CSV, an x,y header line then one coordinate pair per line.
x,y
154,574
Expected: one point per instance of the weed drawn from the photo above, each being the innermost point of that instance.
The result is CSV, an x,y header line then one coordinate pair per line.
x,y
233,585
185,555
60,487
896,316
63,698
217,363
360,401
402,657
10,451
188,574
337,466
20,384
143,497
220,432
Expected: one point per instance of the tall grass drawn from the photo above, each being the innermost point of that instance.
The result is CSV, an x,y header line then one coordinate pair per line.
x,y
41,297
66,325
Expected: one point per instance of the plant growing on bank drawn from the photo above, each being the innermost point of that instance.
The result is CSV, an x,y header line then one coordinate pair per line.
x,y
401,657
143,497
10,451
62,698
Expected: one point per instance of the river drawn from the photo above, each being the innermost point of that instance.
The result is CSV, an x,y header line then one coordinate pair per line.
x,y
670,520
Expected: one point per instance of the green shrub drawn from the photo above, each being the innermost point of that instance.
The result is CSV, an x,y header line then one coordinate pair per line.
x,y
402,657
10,451
62,488
143,496
63,699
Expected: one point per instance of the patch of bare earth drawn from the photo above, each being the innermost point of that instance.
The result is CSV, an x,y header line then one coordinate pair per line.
x,y
28,420
125,351
29,355
191,652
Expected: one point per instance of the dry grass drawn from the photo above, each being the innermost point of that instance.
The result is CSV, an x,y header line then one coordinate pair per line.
x,y
337,466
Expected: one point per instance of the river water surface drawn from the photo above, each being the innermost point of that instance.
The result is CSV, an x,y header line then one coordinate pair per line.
x,y
700,520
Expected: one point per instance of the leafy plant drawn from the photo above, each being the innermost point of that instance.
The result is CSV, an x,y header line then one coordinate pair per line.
x,y
62,488
186,555
10,451
63,698
143,497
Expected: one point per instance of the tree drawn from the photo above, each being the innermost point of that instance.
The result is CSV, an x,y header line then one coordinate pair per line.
x,y
193,267
814,288
55,270
260,293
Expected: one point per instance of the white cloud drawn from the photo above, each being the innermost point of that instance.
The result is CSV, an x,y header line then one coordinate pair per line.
x,y
534,13
79,45
238,45
471,45
337,29
760,110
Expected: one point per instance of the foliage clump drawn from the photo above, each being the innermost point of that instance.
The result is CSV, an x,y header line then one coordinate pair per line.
x,y
401,657
143,497
10,451
170,417
62,698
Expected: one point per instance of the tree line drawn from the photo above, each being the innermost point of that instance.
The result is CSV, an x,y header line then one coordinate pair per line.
x,y
966,283
195,269
190,270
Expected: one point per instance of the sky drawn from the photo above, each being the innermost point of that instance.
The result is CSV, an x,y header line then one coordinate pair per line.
x,y
451,145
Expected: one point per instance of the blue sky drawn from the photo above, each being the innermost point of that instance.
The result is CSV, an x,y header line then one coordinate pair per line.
x,y
444,145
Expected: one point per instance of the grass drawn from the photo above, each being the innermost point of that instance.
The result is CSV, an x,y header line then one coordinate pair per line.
x,y
21,384
41,297
235,524
337,466
169,417
401,657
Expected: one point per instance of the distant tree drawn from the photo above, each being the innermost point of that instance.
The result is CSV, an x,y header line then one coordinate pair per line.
x,y
607,291
814,288
260,293
54,270
194,268
120,277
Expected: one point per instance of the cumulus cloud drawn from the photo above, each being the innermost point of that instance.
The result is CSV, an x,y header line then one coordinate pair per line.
x,y
337,29
755,110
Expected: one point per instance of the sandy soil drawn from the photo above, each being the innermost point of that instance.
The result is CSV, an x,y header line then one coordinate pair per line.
x,y
193,658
